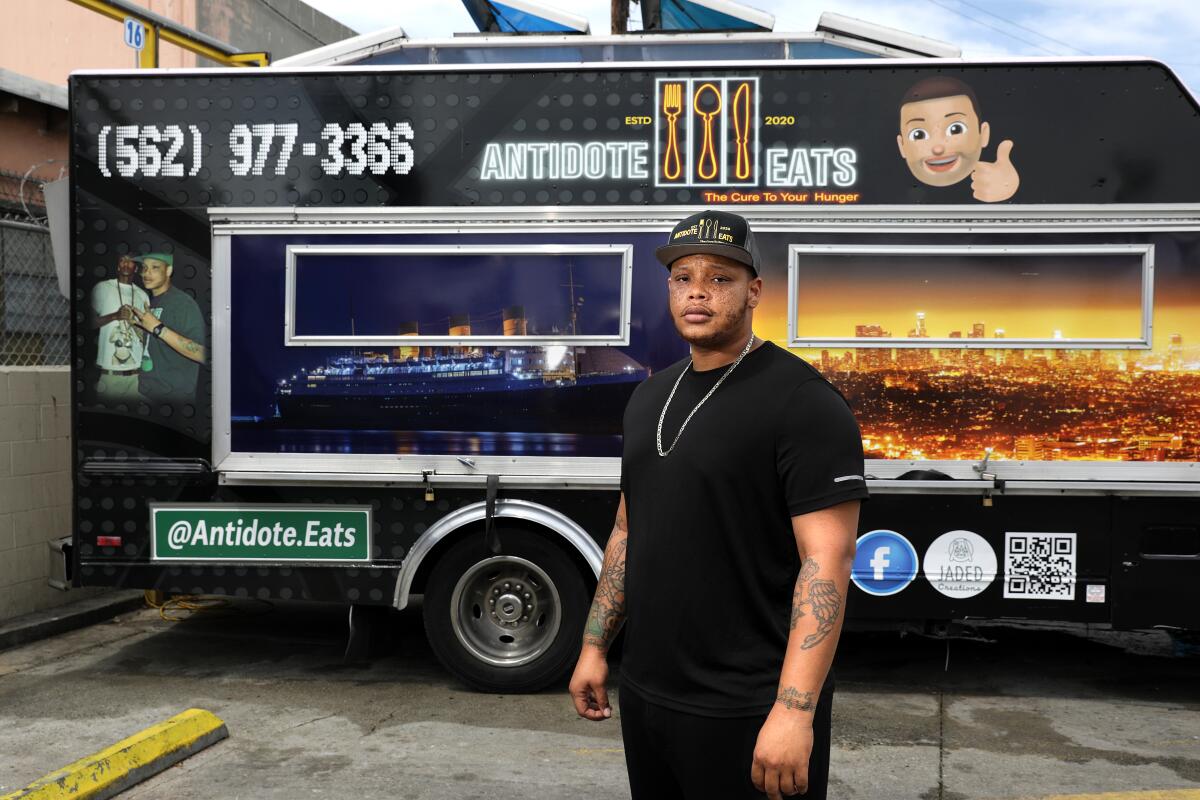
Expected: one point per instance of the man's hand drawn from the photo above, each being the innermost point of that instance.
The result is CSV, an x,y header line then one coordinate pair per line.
x,y
144,318
587,685
781,755
993,183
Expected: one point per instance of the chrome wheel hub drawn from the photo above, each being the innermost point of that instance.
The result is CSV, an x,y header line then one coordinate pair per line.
x,y
505,610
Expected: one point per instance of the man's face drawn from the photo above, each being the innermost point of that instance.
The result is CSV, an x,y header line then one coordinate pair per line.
x,y
941,139
155,273
125,268
710,297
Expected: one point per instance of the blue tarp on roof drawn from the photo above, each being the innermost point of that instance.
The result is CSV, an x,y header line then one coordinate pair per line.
x,y
521,16
685,15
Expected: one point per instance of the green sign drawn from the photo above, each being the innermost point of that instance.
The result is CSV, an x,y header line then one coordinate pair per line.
x,y
260,533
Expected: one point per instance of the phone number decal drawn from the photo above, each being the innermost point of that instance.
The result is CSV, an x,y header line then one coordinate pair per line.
x,y
176,151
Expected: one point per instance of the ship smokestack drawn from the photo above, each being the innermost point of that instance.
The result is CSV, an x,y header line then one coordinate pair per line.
x,y
460,325
515,323
402,354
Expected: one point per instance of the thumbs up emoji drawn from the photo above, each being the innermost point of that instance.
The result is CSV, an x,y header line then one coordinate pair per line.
x,y
993,183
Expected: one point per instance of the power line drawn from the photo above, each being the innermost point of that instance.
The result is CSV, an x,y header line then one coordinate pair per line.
x,y
954,10
1024,28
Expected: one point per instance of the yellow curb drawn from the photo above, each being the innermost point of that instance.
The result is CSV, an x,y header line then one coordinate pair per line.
x,y
129,761
1156,794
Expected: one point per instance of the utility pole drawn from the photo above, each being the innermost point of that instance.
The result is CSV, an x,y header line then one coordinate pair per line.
x,y
651,15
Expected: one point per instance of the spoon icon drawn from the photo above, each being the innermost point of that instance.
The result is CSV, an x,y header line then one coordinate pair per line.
x,y
707,108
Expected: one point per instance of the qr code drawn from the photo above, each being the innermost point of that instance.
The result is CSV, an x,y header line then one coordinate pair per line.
x,y
1039,566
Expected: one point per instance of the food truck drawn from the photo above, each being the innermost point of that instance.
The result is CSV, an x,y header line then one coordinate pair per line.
x,y
384,315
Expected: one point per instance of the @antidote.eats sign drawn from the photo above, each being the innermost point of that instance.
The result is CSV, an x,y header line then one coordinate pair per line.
x,y
258,533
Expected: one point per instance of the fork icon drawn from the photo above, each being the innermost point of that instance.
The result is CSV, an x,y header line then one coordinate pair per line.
x,y
672,107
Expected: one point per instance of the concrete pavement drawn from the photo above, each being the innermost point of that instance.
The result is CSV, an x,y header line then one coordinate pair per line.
x,y
1026,714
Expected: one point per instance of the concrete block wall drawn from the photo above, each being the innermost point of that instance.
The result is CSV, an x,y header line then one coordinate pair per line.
x,y
35,485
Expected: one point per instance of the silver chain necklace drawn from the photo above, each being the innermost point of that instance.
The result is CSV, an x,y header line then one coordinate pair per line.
x,y
688,419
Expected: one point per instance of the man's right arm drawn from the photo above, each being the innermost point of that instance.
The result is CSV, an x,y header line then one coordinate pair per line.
x,y
604,621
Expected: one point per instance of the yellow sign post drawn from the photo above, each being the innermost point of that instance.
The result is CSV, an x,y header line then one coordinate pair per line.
x,y
157,28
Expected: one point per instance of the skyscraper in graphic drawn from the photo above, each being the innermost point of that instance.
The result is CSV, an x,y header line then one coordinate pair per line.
x,y
872,357
1174,358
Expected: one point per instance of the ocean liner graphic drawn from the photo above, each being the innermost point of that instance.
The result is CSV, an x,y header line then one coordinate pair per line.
x,y
553,388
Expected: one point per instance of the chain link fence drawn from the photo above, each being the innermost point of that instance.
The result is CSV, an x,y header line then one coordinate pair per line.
x,y
34,316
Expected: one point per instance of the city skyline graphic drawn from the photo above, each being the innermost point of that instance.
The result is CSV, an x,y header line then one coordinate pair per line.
x,y
1022,404
1018,403
1022,296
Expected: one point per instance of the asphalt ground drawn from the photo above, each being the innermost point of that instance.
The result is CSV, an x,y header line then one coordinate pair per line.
x,y
1016,712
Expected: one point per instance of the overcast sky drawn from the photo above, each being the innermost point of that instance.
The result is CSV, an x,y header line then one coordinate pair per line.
x,y
1164,29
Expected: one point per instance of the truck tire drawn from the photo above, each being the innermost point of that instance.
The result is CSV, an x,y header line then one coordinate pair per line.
x,y
506,623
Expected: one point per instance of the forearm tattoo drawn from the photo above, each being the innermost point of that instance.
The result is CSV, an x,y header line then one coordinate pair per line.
x,y
822,599
796,700
608,607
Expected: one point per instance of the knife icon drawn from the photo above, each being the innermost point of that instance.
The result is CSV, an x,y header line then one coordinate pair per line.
x,y
741,129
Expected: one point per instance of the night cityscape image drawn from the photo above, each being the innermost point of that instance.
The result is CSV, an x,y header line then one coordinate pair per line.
x,y
1028,405
1061,401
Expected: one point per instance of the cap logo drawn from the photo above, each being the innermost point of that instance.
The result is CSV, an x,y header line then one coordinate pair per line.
x,y
712,231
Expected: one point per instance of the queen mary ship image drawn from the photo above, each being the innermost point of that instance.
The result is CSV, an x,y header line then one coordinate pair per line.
x,y
551,388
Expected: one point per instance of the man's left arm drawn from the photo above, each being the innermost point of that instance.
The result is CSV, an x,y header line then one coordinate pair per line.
x,y
185,346
825,541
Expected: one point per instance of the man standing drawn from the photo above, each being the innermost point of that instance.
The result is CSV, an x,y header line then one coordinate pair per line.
x,y
176,327
729,561
120,344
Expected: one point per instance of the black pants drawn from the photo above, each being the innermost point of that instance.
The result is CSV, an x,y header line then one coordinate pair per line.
x,y
672,755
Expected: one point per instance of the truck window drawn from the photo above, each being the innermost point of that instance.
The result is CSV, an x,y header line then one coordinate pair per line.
x,y
994,296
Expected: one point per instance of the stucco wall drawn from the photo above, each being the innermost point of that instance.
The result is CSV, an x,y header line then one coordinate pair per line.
x,y
46,39
35,485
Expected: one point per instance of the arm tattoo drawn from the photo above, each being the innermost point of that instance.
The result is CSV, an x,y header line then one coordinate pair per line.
x,y
806,573
823,601
191,346
608,608
790,697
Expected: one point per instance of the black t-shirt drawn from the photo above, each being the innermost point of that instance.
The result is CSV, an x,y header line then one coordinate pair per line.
x,y
173,376
711,562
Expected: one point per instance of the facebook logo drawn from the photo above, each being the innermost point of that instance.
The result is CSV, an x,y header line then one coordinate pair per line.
x,y
885,563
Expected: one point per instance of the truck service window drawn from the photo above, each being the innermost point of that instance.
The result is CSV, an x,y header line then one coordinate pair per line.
x,y
994,296
482,294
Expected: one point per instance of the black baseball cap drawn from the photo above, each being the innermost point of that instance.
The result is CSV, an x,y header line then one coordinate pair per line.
x,y
718,232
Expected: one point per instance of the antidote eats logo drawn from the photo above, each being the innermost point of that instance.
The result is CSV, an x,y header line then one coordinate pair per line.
x,y
260,533
706,230
706,131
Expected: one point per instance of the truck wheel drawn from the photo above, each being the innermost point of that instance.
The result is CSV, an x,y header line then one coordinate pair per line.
x,y
506,623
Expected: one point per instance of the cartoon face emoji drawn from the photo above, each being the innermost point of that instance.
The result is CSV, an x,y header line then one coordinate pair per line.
x,y
941,139
961,550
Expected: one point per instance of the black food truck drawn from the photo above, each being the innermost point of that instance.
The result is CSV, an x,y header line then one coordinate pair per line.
x,y
353,334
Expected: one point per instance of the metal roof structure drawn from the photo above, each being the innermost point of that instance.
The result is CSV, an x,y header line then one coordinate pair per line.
x,y
32,89
836,37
